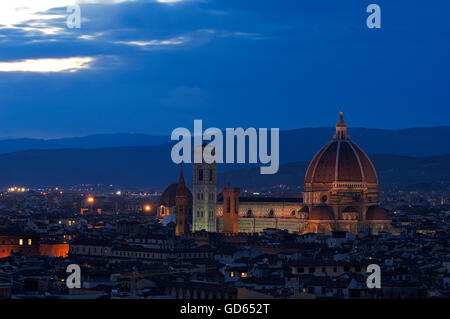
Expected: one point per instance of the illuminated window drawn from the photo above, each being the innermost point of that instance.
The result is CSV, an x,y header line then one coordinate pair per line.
x,y
20,241
244,275
232,274
29,241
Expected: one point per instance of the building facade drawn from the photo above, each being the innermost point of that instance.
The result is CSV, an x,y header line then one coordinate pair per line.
x,y
340,194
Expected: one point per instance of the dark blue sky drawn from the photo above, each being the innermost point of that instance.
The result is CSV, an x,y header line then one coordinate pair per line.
x,y
149,66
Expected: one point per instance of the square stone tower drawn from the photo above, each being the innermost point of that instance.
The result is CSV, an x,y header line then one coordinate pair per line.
x,y
204,195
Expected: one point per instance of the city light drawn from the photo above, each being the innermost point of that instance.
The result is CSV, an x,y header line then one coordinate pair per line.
x,y
16,189
147,208
90,199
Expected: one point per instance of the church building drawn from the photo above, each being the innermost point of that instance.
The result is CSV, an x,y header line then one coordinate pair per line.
x,y
340,194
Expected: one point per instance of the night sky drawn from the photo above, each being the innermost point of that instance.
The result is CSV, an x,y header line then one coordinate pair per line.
x,y
151,66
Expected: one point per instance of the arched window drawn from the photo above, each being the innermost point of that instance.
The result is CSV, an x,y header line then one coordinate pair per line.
x,y
249,213
293,213
271,213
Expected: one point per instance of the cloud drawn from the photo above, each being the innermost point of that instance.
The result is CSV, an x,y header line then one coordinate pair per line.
x,y
72,64
192,39
169,1
39,15
90,37
168,42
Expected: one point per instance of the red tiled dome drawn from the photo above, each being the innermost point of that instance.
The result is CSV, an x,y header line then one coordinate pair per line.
x,y
322,212
169,195
341,160
377,213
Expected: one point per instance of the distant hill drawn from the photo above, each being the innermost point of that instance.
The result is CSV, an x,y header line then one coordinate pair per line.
x,y
151,166
302,144
139,160
139,166
391,170
86,142
295,145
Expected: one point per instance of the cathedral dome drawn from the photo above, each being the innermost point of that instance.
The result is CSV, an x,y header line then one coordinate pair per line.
x,y
377,213
341,160
168,197
322,212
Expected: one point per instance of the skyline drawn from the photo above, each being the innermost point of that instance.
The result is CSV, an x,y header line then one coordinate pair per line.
x,y
241,155
152,66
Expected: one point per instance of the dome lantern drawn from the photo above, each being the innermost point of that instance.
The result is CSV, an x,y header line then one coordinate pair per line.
x,y
341,128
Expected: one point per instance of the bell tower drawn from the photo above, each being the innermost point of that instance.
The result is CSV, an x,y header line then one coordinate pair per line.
x,y
204,194
181,207
231,210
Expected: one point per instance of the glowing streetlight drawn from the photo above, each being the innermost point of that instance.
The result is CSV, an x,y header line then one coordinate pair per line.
x,y
147,208
90,199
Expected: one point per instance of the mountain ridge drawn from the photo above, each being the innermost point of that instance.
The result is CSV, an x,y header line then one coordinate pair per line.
x,y
313,138
151,165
